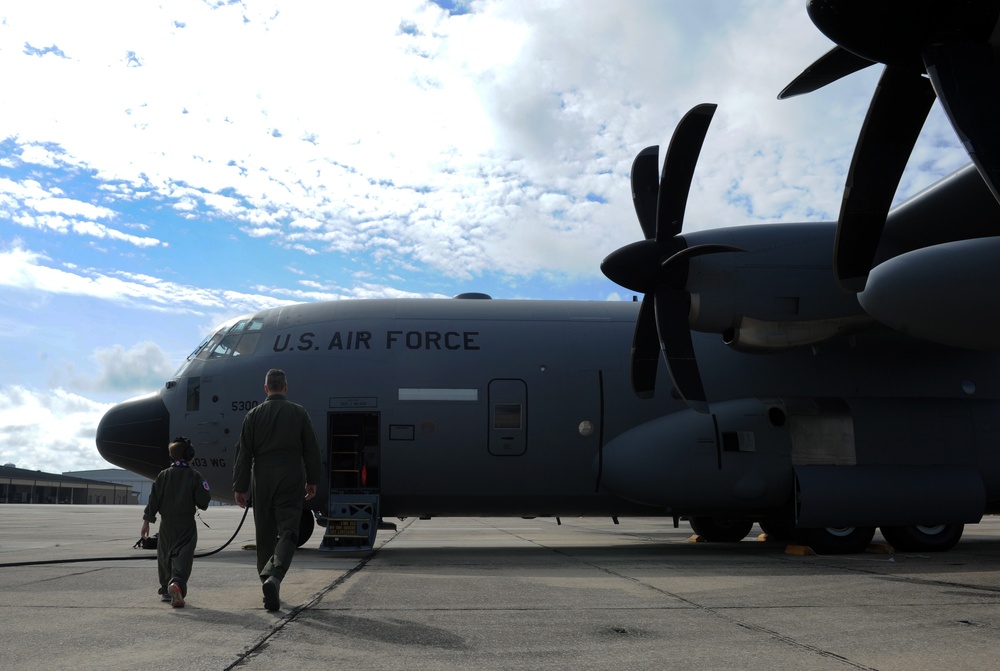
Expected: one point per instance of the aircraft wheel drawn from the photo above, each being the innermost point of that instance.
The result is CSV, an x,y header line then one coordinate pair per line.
x,y
777,529
916,538
720,530
836,540
306,524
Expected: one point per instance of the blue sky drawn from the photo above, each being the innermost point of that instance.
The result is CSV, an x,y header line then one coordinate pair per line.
x,y
166,167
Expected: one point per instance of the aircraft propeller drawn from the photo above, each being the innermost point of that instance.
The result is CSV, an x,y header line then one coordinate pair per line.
x,y
954,43
657,266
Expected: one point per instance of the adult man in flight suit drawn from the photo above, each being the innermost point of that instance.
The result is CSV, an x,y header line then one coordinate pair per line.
x,y
276,439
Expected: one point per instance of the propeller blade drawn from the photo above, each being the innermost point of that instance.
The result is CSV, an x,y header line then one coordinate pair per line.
x,y
678,169
966,77
662,323
671,308
895,117
698,250
645,183
645,350
828,68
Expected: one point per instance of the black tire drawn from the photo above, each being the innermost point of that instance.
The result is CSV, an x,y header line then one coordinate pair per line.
x,y
777,530
915,538
720,530
306,524
836,540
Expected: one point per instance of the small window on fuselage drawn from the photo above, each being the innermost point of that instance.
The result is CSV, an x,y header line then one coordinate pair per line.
x,y
507,416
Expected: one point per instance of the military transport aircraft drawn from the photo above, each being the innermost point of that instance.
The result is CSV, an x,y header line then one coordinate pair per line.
x,y
777,399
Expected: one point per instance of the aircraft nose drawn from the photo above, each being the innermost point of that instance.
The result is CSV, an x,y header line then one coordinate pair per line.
x,y
134,435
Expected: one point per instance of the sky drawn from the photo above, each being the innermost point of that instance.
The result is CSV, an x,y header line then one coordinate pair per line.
x,y
166,167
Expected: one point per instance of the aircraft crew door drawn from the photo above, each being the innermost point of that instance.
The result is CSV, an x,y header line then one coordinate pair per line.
x,y
508,428
354,471
354,452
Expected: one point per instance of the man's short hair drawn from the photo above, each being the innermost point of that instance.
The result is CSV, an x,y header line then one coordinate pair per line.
x,y
275,380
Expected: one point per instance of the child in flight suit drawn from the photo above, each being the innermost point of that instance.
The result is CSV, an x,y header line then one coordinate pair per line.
x,y
176,491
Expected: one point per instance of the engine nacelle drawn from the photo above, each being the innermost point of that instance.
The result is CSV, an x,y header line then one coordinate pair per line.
x,y
748,299
755,335
945,293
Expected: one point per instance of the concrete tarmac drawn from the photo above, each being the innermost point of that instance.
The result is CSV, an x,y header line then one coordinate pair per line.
x,y
491,593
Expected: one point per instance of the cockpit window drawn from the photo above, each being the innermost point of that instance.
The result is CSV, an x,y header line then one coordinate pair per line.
x,y
239,326
236,339
240,339
191,356
247,344
248,340
198,348
206,350
225,347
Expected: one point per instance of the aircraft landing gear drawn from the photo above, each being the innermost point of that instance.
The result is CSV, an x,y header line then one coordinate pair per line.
x,y
777,529
939,538
836,540
306,524
720,530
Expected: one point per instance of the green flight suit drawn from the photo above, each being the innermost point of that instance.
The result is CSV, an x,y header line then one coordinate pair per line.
x,y
176,492
276,439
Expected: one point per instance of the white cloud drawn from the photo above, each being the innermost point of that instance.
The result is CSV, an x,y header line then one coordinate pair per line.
x,y
30,205
330,128
51,431
136,369
70,207
27,270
